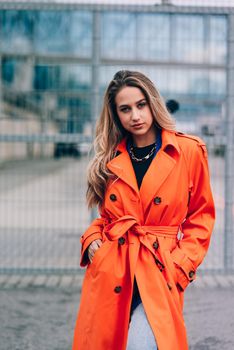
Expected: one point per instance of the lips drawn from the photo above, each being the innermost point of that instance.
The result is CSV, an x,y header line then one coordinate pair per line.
x,y
137,125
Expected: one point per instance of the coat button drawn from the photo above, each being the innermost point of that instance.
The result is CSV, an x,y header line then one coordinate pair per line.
x,y
191,274
156,244
121,240
157,200
113,197
117,289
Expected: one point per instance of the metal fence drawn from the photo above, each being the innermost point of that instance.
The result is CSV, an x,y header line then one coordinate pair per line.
x,y
56,60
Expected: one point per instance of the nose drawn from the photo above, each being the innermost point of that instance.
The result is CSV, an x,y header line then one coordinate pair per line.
x,y
135,115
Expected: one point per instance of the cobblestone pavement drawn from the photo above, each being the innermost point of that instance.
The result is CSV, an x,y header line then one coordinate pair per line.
x,y
39,312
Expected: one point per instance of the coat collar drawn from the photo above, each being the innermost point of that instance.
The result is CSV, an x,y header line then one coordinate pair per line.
x,y
168,139
159,169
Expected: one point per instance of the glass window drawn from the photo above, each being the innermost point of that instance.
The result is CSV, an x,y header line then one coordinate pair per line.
x,y
76,77
17,74
17,29
197,82
217,44
8,68
72,112
81,33
175,81
64,91
153,33
118,35
62,77
217,83
64,32
188,38
46,77
193,82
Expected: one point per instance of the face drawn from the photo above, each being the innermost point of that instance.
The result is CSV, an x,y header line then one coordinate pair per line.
x,y
135,115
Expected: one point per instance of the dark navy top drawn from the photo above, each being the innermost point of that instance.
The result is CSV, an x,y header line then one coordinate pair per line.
x,y
140,168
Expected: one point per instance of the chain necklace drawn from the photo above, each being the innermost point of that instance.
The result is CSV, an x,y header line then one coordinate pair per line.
x,y
132,155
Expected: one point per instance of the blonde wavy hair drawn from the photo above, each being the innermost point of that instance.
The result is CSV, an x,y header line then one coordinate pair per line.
x,y
109,131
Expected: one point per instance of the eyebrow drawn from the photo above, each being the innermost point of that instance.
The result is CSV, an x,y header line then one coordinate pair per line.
x,y
126,105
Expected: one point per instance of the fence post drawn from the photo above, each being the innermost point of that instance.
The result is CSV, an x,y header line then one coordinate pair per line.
x,y
229,154
0,85
95,78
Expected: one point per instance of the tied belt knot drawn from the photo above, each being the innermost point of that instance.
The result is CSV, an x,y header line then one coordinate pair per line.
x,y
127,223
139,230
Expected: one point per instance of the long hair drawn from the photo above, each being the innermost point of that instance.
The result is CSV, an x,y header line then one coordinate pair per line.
x,y
109,131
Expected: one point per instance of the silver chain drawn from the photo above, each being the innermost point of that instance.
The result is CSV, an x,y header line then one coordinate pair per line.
x,y
145,157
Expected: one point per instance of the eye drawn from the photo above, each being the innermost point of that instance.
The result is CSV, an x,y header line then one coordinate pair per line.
x,y
142,104
124,109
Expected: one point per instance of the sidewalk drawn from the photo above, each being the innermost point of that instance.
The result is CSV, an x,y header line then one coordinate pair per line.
x,y
208,314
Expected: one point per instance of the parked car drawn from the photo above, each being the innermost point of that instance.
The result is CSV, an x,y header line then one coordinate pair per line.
x,y
63,149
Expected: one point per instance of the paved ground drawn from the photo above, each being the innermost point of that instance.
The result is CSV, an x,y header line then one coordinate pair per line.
x,y
38,313
209,318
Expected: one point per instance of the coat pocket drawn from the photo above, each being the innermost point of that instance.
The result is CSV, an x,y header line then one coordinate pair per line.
x,y
100,257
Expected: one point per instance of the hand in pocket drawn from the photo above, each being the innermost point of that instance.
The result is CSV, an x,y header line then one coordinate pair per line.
x,y
93,247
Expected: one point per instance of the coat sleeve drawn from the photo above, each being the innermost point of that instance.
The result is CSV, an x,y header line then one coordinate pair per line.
x,y
93,232
198,224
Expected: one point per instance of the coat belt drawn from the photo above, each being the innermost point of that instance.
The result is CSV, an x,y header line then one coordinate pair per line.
x,y
117,228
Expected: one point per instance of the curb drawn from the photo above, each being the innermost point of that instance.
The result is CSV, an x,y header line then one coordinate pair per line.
x,y
75,281
41,281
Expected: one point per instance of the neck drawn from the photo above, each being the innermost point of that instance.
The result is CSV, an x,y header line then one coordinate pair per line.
x,y
144,140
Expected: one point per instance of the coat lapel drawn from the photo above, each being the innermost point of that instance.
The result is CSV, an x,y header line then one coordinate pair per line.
x,y
158,171
160,168
122,167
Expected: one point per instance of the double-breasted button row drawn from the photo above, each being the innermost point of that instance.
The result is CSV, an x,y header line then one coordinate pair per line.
x,y
121,240
157,200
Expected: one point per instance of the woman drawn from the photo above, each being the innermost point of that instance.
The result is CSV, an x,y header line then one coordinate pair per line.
x,y
151,185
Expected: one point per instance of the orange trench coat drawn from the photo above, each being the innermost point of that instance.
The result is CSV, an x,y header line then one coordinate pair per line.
x,y
159,234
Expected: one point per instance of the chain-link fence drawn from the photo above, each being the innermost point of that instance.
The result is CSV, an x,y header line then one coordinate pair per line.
x,y
56,60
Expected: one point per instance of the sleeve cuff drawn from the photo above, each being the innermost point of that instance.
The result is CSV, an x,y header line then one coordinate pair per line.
x,y
186,271
182,280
